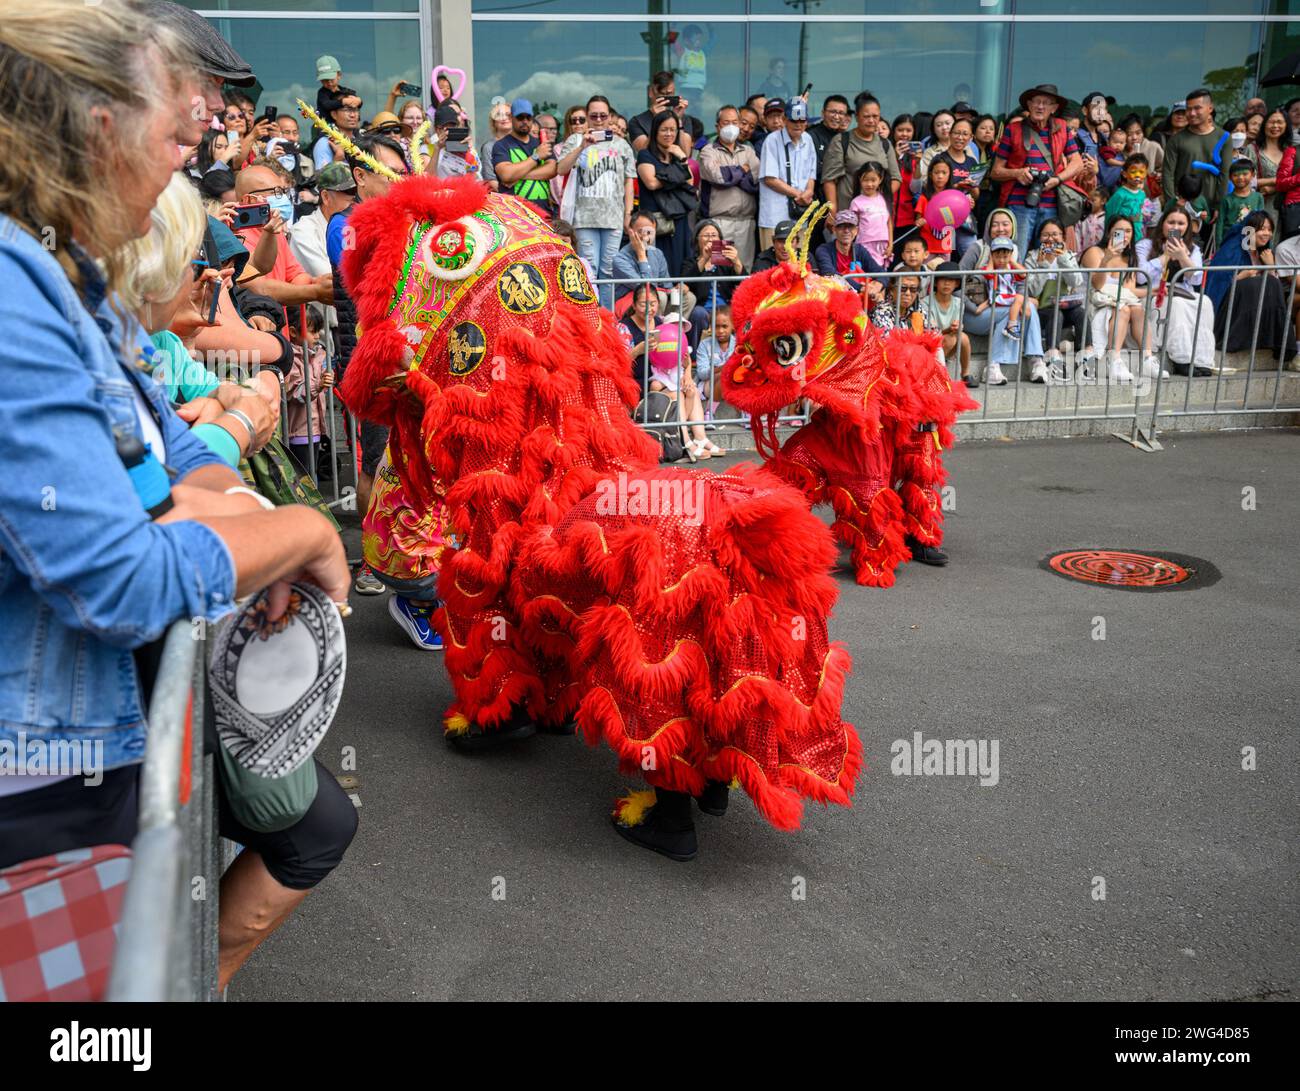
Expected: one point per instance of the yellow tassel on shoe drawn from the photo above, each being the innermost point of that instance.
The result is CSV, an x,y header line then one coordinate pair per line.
x,y
631,809
456,724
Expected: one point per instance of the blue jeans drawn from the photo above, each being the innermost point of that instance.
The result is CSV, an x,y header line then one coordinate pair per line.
x,y
1028,221
597,247
1004,350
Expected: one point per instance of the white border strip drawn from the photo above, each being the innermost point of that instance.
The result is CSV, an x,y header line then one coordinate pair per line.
x,y
331,16
604,17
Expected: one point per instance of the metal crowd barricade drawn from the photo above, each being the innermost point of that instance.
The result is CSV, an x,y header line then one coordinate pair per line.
x,y
1204,313
1097,379
167,933
791,417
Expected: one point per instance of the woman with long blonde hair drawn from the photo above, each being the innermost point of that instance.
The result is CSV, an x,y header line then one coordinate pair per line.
x,y
116,521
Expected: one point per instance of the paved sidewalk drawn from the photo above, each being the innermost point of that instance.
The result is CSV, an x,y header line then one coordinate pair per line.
x,y
1119,759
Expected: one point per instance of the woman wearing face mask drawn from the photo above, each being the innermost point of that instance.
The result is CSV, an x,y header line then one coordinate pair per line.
x,y
296,166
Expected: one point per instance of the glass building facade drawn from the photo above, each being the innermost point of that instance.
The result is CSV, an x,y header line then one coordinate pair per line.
x,y
913,54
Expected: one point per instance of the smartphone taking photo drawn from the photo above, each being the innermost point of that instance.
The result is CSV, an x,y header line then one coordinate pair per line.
x,y
254,215
409,89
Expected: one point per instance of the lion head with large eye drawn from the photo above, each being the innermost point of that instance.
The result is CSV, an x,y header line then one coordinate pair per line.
x,y
441,268
799,335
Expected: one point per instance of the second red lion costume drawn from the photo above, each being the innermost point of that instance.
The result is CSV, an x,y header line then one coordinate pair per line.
x,y
885,410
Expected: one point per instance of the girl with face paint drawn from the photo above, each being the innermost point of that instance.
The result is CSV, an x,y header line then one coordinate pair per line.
x,y
1130,199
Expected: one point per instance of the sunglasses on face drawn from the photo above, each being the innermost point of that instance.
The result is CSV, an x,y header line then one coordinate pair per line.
x,y
598,117
232,117
576,120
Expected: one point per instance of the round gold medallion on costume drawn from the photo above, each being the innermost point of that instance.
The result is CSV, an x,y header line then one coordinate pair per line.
x,y
522,288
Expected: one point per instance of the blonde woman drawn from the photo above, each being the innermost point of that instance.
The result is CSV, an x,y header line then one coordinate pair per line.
x,y
500,125
167,283
117,521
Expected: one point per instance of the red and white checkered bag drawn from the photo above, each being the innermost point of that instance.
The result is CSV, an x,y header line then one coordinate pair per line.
x,y
58,923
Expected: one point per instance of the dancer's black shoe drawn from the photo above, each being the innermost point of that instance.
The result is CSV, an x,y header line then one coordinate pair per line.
x,y
519,726
666,828
713,800
927,554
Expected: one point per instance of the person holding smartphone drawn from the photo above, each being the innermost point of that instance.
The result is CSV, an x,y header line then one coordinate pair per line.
x,y
1252,313
1055,286
524,163
455,157
715,256
599,168
1172,263
663,98
1117,295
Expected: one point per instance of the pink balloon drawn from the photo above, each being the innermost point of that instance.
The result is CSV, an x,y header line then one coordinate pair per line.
x,y
670,339
947,208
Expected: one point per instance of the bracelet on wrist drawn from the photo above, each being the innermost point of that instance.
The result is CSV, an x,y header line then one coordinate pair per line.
x,y
262,500
244,419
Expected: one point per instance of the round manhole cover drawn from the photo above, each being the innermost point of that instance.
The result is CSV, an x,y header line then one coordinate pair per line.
x,y
1132,571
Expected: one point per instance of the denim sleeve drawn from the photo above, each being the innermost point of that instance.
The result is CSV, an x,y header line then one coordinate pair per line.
x,y
70,519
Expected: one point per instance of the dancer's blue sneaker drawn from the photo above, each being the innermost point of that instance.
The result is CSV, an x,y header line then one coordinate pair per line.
x,y
414,618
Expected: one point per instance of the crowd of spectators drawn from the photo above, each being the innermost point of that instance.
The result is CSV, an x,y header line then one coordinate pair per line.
x,y
662,195
188,239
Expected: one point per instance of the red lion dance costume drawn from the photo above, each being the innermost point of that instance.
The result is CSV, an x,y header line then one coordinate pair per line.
x,y
873,448
678,614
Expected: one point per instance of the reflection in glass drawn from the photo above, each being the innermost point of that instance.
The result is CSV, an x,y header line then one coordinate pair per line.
x,y
283,52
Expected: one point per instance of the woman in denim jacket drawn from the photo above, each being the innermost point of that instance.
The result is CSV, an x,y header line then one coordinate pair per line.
x,y
96,100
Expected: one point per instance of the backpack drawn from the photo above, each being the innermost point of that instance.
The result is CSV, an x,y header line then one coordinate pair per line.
x,y
657,408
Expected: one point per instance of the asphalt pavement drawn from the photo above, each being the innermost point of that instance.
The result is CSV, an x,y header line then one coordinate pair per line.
x,y
1123,852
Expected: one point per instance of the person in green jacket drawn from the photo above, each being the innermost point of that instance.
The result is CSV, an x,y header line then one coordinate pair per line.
x,y
1241,200
1196,143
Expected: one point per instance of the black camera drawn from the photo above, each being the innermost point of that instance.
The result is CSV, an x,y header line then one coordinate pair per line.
x,y
1035,191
